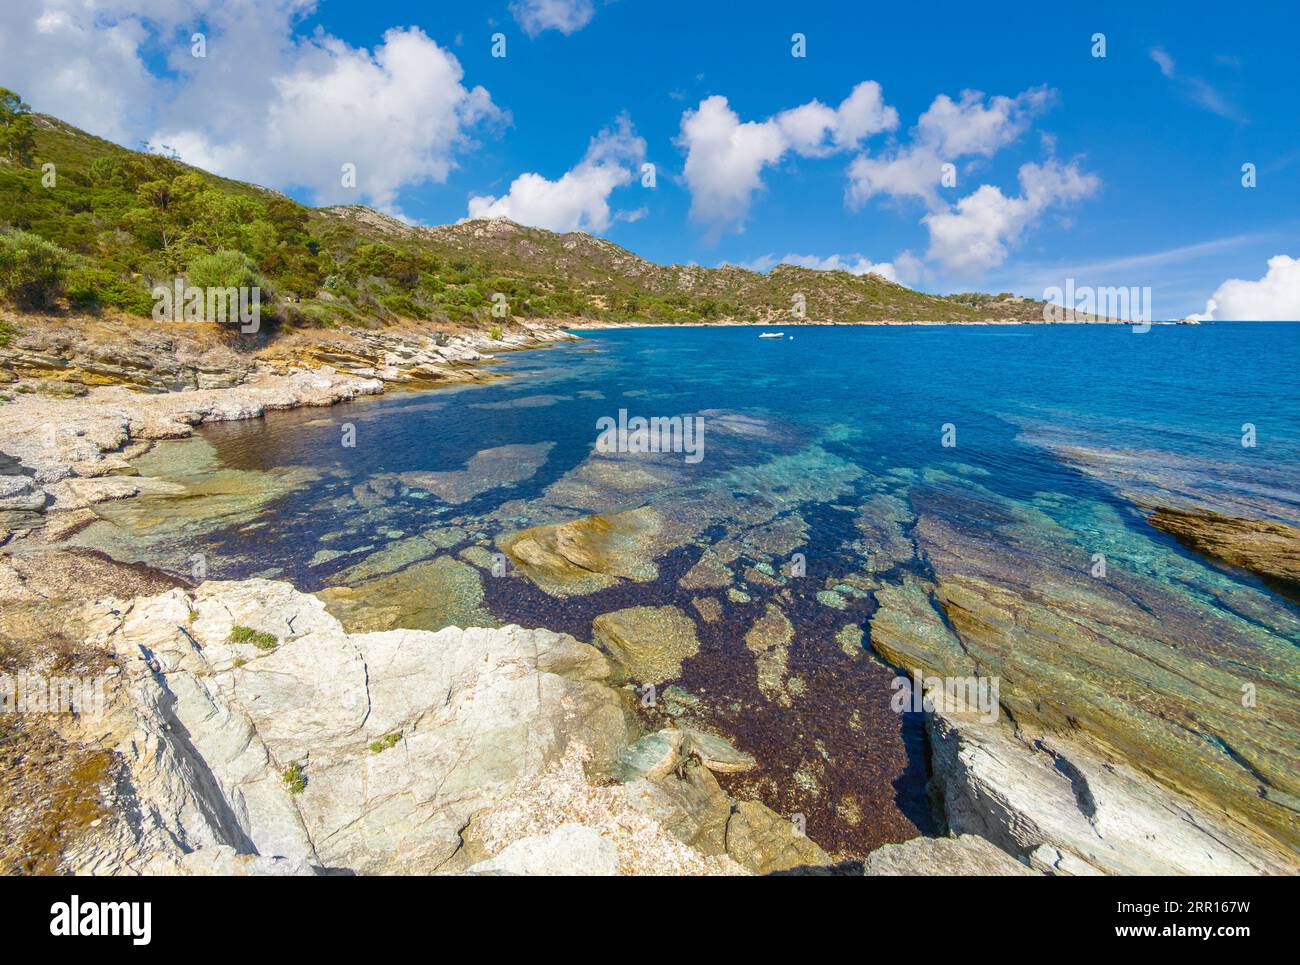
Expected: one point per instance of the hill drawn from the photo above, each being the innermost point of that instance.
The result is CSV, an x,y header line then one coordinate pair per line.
x,y
126,220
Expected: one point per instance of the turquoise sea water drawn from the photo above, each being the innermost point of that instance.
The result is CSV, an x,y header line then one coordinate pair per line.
x,y
829,444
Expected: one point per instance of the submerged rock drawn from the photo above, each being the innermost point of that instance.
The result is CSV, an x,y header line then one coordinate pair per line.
x,y
486,470
648,642
429,595
589,553
1268,548
769,640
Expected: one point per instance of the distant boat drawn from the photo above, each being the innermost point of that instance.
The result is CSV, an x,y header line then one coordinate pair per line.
x,y
772,335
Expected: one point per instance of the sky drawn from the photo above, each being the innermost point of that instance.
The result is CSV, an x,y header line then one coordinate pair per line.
x,y
946,146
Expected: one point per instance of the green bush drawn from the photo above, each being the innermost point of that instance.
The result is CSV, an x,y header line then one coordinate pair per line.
x,y
7,333
227,269
31,269
242,634
91,289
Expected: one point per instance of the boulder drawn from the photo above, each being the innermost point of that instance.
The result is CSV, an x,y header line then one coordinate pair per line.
x,y
571,850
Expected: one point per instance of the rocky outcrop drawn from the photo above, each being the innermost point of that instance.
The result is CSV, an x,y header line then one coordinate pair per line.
x,y
1069,807
90,438
257,736
367,752
1268,548
764,842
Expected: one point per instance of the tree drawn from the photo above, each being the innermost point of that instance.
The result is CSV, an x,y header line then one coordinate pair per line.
x,y
17,131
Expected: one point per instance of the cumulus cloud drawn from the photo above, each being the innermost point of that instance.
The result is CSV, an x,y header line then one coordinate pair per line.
x,y
579,199
1273,298
978,232
400,113
854,264
947,132
725,156
566,16
82,68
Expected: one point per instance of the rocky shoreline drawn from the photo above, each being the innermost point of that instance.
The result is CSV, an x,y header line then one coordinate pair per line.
x,y
248,731
98,399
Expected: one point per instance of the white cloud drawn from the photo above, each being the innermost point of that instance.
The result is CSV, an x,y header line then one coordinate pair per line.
x,y
1273,298
1194,88
947,132
904,266
1163,61
566,16
305,105
979,231
725,157
85,69
578,200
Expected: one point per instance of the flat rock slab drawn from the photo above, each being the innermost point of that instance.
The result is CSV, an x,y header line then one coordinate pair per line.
x,y
954,857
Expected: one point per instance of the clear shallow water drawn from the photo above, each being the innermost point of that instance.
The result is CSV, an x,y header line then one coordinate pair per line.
x,y
827,444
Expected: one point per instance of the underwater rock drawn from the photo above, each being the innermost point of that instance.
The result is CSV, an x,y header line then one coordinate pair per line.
x,y
588,554
707,607
1268,548
769,640
487,469
648,642
708,573
428,595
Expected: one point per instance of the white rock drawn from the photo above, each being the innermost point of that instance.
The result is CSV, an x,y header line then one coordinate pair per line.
x,y
569,850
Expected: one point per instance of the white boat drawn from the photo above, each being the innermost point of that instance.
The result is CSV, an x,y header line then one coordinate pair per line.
x,y
772,335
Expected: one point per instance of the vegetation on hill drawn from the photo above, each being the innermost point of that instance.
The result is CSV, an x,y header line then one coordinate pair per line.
x,y
85,221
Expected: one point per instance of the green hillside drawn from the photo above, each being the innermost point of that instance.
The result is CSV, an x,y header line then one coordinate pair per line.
x,y
124,221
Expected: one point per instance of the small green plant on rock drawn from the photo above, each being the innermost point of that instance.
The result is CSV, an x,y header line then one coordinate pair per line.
x,y
263,641
295,778
495,333
385,742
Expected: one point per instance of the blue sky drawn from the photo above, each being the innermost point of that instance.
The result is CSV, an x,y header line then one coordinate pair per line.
x,y
1135,158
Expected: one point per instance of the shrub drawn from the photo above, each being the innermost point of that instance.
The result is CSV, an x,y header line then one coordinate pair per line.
x,y
31,269
7,333
227,269
385,742
263,641
90,289
495,333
